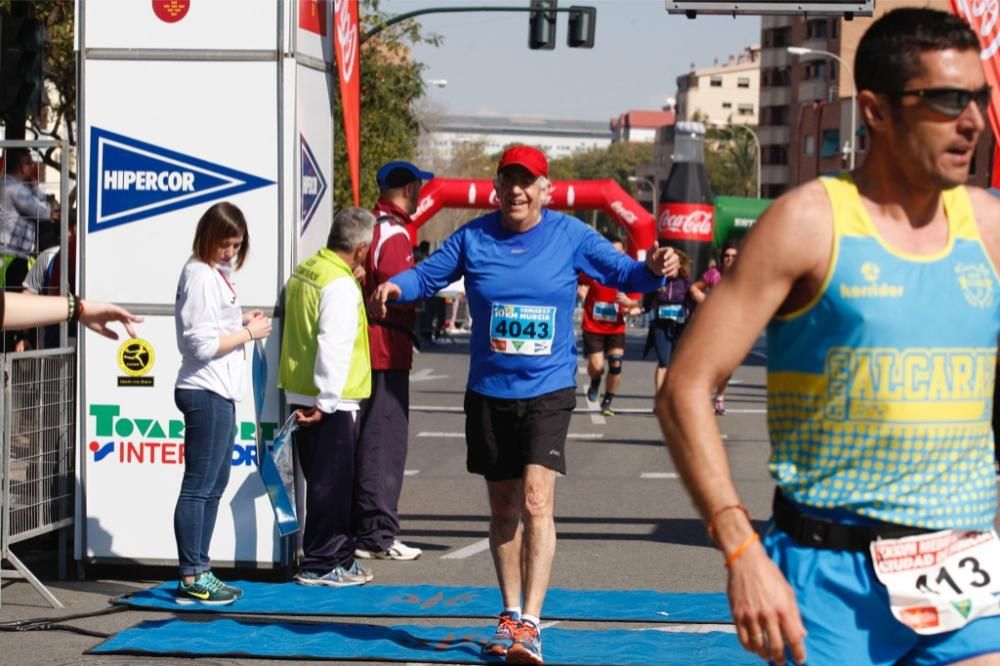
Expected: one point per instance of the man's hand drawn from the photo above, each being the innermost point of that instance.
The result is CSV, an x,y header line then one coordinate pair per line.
x,y
764,609
663,261
385,292
96,316
307,417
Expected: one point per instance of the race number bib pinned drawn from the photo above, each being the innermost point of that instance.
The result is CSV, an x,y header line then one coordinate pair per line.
x,y
605,311
672,312
522,329
941,581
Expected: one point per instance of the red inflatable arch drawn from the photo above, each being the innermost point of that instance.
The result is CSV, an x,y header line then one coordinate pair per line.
x,y
606,195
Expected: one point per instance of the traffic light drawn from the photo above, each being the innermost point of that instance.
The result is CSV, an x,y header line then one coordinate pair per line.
x,y
582,21
21,42
542,24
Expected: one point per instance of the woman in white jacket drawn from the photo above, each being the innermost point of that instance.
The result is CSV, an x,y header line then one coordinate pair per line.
x,y
212,332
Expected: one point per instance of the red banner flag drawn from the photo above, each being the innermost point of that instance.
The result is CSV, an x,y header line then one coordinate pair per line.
x,y
984,17
347,45
312,16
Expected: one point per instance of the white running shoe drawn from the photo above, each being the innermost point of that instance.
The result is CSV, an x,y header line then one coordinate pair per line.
x,y
396,551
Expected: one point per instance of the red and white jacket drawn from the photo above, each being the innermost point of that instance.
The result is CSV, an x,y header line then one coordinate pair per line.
x,y
391,253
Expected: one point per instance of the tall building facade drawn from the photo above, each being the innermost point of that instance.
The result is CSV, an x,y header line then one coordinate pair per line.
x,y
806,100
723,93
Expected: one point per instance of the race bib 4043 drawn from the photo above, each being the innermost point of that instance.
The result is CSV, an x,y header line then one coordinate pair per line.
x,y
522,329
941,581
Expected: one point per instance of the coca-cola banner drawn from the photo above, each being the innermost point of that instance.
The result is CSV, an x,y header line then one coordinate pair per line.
x,y
346,44
984,17
686,221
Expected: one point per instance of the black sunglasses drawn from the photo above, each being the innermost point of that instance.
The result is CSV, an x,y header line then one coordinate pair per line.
x,y
950,102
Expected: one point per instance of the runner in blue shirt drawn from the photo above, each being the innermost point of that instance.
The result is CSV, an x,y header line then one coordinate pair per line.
x,y
520,266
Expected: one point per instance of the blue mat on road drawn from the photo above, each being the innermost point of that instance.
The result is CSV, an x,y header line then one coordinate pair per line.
x,y
449,601
290,640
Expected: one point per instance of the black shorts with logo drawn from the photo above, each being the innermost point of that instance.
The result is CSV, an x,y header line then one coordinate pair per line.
x,y
602,342
503,435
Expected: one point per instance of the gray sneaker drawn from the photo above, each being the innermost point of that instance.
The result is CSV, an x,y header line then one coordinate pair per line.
x,y
338,577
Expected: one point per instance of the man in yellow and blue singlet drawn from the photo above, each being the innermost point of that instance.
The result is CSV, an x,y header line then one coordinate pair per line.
x,y
880,294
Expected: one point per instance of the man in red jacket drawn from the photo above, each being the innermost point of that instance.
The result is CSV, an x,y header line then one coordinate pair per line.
x,y
381,452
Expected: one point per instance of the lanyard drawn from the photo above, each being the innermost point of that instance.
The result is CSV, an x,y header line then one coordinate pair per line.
x,y
228,284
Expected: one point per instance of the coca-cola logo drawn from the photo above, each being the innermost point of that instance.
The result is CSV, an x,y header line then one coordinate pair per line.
x,y
623,213
423,206
687,223
347,34
982,15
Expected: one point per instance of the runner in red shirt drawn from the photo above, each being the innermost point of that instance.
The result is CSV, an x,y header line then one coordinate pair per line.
x,y
380,458
604,310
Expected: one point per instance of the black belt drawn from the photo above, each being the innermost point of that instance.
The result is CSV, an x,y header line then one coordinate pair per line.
x,y
822,533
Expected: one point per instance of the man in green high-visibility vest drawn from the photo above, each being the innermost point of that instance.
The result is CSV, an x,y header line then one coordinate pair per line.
x,y
325,371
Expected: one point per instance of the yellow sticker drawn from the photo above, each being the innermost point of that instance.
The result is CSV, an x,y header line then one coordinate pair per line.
x,y
136,357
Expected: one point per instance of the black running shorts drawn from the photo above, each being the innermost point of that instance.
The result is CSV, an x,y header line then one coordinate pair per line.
x,y
504,435
602,342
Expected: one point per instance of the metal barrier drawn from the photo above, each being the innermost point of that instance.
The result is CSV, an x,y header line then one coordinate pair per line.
x,y
39,437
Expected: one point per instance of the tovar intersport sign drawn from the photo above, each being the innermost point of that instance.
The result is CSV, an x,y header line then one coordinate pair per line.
x,y
132,180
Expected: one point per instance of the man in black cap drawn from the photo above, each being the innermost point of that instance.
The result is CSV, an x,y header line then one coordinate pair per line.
x,y
381,454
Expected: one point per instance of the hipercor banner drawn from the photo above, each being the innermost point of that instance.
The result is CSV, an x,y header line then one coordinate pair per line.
x,y
984,17
131,180
347,44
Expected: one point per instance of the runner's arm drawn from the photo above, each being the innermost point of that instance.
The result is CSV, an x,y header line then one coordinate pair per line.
x,y
781,251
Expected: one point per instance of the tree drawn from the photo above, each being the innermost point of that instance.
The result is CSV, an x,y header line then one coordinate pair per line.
x,y
59,71
391,82
731,161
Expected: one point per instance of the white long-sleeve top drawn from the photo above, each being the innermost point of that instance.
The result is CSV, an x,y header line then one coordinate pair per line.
x,y
205,310
338,326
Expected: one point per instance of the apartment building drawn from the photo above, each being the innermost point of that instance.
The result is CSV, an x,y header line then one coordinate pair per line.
x,y
806,99
723,93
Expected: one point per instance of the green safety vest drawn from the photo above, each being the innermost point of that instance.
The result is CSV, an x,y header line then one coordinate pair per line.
x,y
301,329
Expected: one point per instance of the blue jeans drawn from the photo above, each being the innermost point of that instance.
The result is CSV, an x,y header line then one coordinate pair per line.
x,y
209,427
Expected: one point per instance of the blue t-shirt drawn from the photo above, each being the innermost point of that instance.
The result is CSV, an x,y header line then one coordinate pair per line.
x,y
521,288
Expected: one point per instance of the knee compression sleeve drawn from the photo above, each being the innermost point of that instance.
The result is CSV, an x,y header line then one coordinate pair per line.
x,y
615,365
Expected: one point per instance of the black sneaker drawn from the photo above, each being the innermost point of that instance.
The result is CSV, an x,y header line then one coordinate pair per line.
x,y
595,386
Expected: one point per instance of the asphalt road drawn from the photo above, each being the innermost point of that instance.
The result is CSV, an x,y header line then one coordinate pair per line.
x,y
623,518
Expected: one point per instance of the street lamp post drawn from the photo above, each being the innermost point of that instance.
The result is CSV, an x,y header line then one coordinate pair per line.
x,y
801,50
651,182
756,144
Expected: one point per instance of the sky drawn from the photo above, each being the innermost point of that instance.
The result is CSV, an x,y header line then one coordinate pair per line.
x,y
639,52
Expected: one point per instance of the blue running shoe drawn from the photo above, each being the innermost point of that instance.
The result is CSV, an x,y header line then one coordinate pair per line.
x,y
337,577
592,392
527,645
203,591
503,636
236,592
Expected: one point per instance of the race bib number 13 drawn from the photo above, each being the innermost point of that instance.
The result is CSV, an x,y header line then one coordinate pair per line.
x,y
522,329
941,581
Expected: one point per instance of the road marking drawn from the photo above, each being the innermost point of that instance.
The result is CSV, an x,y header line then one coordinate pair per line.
x,y
435,408
694,628
588,410
746,411
595,412
467,551
461,435
659,475
411,472
425,375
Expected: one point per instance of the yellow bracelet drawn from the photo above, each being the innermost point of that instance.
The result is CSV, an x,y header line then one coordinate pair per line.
x,y
740,549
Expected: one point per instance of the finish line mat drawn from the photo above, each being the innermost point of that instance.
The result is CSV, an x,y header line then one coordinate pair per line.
x,y
448,601
295,640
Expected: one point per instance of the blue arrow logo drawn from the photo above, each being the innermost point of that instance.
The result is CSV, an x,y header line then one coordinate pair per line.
x,y
131,180
312,184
